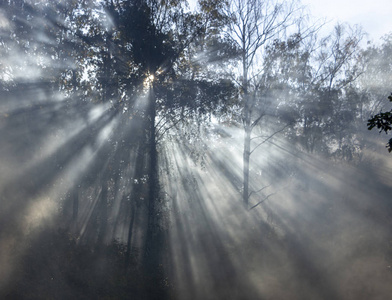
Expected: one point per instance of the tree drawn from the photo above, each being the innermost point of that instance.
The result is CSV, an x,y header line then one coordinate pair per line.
x,y
316,77
252,25
383,122
374,84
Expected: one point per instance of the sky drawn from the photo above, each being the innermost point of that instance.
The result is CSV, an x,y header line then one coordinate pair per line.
x,y
375,16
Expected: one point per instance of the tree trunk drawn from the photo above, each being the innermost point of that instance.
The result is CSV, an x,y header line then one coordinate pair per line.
x,y
246,159
103,212
135,197
152,172
153,248
75,204
247,127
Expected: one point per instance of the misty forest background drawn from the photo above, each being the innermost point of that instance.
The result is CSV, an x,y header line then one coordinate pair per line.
x,y
150,151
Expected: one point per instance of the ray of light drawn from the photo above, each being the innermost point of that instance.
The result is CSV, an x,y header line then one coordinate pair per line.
x,y
286,240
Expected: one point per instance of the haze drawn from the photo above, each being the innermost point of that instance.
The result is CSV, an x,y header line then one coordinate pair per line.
x,y
149,151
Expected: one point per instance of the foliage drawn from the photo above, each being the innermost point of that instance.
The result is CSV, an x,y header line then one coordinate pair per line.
x,y
383,122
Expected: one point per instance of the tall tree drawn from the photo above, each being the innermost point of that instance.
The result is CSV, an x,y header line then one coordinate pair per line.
x,y
252,26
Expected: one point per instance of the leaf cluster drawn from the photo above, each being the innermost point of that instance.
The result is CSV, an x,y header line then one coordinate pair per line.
x,y
383,122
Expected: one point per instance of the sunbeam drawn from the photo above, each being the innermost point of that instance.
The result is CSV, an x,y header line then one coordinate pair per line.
x,y
218,150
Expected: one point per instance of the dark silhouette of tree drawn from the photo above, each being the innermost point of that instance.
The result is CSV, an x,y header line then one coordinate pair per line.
x,y
383,122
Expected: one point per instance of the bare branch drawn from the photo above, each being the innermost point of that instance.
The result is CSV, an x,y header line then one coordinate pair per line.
x,y
262,201
271,136
258,191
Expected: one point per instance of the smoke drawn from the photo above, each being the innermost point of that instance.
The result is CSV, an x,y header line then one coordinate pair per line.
x,y
317,229
323,234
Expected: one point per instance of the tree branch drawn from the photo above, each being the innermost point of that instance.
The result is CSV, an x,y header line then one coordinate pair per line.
x,y
258,191
276,132
262,201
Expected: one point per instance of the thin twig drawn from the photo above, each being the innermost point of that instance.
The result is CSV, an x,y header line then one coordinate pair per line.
x,y
258,191
276,132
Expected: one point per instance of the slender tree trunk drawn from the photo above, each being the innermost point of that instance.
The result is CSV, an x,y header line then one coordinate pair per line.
x,y
103,212
306,133
247,128
246,159
75,204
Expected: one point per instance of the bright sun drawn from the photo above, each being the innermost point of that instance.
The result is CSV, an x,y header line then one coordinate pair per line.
x,y
148,81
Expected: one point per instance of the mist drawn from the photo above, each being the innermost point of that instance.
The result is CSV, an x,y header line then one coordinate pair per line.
x,y
152,152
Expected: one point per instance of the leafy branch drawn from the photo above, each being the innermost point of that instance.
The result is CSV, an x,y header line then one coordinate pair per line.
x,y
383,122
